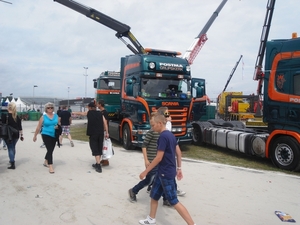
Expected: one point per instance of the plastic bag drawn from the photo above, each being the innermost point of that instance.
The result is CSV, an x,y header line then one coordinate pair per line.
x,y
107,151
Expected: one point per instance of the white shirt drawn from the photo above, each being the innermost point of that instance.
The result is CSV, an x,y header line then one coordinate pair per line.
x,y
169,126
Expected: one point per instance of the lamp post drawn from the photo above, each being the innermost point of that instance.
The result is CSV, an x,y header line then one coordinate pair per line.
x,y
34,86
85,79
68,95
86,68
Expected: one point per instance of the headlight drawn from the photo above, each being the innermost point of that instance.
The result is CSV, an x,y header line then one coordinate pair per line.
x,y
176,129
152,65
142,132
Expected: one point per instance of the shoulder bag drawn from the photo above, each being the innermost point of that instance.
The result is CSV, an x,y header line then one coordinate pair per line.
x,y
4,129
7,131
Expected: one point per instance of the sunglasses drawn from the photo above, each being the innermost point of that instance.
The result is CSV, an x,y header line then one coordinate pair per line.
x,y
49,107
166,114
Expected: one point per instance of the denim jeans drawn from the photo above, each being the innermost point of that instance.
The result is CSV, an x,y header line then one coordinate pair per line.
x,y
11,148
164,187
148,180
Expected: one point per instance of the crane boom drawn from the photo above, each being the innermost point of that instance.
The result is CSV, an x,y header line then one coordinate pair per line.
x,y
258,74
192,52
232,72
122,29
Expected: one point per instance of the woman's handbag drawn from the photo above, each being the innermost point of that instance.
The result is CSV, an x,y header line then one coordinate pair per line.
x,y
3,130
7,131
58,132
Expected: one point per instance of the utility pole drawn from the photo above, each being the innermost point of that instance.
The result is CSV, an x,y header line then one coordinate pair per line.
x,y
86,68
68,96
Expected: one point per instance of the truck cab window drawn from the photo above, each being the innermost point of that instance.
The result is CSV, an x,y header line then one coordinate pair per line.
x,y
109,84
297,84
164,88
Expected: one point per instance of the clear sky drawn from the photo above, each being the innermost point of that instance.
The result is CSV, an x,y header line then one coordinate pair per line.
x,y
46,44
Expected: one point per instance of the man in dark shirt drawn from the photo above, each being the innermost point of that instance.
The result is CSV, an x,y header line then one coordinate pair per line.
x,y
65,120
58,111
96,124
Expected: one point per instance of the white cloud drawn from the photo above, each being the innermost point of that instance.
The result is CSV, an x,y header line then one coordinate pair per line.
x,y
47,44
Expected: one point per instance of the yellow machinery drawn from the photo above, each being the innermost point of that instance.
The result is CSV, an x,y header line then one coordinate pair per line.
x,y
236,106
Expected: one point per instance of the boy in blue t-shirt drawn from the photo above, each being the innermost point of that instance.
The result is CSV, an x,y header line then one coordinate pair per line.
x,y
164,181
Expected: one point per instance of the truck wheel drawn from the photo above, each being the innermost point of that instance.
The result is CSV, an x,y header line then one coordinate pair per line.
x,y
197,137
285,153
126,138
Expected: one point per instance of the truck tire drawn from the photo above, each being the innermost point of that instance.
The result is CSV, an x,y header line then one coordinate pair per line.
x,y
197,135
126,138
198,128
285,153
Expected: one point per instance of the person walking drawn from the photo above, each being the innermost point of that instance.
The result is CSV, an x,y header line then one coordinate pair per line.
x,y
58,111
149,149
65,120
69,109
165,112
100,105
164,181
49,122
96,124
13,120
1,139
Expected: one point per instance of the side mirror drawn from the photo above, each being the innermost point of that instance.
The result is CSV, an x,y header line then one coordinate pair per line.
x,y
95,83
129,87
199,92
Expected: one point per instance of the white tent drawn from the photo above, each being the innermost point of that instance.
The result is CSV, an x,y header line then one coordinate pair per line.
x,y
20,105
13,100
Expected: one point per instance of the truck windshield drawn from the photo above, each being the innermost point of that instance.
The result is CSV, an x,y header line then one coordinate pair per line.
x,y
165,88
109,83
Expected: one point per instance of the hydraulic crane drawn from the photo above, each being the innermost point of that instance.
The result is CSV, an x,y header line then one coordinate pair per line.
x,y
122,29
258,74
192,52
232,72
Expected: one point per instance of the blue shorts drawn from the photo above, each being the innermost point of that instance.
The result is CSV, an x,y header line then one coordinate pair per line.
x,y
163,185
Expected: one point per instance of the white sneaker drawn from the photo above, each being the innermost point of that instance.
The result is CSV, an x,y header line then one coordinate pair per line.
x,y
180,192
148,221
